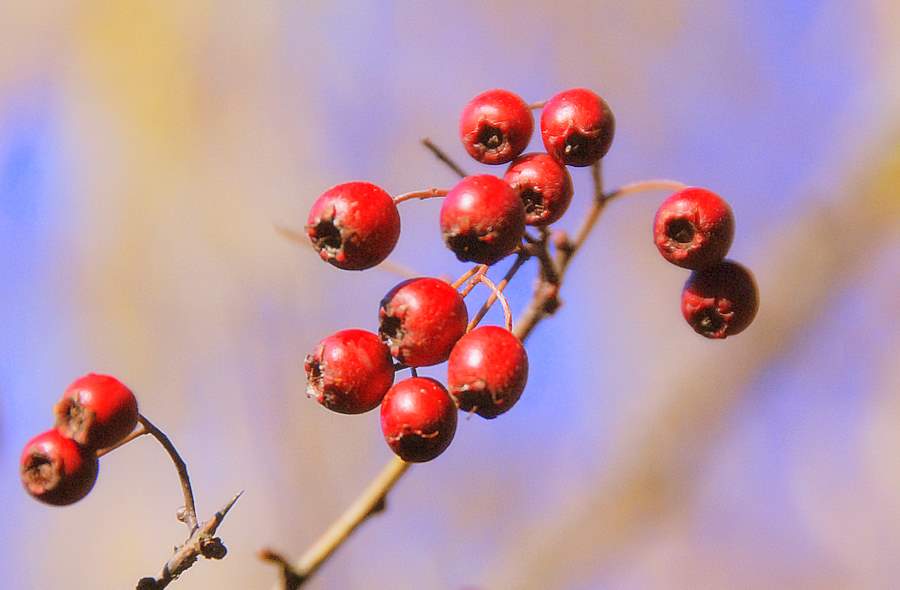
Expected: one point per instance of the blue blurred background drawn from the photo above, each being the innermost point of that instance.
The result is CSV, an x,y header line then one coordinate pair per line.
x,y
148,148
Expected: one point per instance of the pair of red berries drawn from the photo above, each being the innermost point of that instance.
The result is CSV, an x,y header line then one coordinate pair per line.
x,y
60,466
422,322
356,225
577,127
694,229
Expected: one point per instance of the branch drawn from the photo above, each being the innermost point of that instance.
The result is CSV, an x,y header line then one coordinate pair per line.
x,y
371,501
201,543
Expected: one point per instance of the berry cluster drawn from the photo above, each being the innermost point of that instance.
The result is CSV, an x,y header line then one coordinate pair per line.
x,y
694,229
424,321
60,466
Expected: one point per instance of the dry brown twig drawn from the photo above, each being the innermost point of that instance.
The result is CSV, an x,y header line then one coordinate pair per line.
x,y
201,541
544,302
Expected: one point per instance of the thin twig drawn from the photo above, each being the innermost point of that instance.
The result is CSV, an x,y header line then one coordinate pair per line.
x,y
496,293
138,432
657,184
387,265
443,157
465,276
190,510
428,193
537,105
479,270
520,260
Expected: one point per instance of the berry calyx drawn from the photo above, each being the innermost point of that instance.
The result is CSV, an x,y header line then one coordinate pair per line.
x,y
487,371
482,219
354,225
693,228
421,319
350,371
418,419
543,185
96,411
496,126
577,127
57,470
720,300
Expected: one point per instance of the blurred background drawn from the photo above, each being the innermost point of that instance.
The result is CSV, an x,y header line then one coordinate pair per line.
x,y
147,149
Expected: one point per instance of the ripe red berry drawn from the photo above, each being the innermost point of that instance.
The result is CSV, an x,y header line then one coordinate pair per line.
x,y
421,319
418,419
487,371
354,225
543,184
694,228
482,219
96,411
56,470
577,127
496,126
350,371
721,300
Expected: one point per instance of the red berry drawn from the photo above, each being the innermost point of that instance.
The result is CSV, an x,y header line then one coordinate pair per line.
x,y
487,371
693,228
577,127
97,411
543,184
56,470
720,300
350,371
421,319
354,225
482,219
418,419
496,126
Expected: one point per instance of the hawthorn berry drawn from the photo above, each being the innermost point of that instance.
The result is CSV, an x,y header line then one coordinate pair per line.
x,y
421,319
57,470
693,228
577,127
418,419
350,371
543,184
482,219
720,300
496,126
354,225
487,371
96,411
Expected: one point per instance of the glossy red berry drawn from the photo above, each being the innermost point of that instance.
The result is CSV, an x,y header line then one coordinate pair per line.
x,y
543,185
418,419
350,371
694,228
720,300
96,411
421,319
354,225
577,127
56,470
487,371
482,219
496,126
